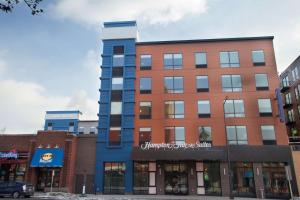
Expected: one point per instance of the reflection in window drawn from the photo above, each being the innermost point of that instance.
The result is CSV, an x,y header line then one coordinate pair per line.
x,y
264,107
146,62
173,84
203,108
174,135
116,108
173,61
114,136
117,84
236,135
258,58
118,60
202,83
174,109
261,82
268,134
229,59
234,108
205,134
141,178
212,179
144,135
200,60
145,85
114,178
145,110
231,83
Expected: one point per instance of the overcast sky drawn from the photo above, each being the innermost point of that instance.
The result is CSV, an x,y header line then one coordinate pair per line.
x,y
51,61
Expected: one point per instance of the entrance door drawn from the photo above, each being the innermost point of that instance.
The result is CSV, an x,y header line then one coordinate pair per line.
x,y
45,176
176,179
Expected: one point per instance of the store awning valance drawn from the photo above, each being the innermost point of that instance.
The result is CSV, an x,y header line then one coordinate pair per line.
x,y
47,157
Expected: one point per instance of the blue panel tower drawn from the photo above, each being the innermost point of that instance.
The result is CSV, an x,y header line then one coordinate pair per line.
x,y
116,109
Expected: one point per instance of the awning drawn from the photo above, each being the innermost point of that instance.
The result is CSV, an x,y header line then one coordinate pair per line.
x,y
46,157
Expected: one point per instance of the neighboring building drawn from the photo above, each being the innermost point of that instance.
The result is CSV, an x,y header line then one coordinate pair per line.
x,y
87,127
168,109
290,89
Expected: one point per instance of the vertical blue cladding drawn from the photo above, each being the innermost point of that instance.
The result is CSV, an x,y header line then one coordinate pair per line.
x,y
122,153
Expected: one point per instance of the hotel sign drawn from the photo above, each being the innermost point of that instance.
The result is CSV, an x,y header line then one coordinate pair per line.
x,y
165,146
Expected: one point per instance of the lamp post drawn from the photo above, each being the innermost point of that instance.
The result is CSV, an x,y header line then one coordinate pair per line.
x,y
228,152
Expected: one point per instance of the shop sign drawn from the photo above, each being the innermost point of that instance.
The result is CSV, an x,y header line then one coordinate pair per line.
x,y
165,146
6,155
46,158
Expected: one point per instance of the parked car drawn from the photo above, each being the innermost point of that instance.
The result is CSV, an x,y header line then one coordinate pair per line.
x,y
16,189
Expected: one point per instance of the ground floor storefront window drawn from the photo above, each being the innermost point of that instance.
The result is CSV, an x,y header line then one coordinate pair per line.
x,y
212,179
114,178
176,178
141,178
275,181
243,179
12,172
44,178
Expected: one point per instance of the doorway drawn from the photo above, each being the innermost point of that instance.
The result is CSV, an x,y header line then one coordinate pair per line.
x,y
176,178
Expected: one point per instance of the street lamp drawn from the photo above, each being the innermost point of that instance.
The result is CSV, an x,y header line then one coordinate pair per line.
x,y
228,151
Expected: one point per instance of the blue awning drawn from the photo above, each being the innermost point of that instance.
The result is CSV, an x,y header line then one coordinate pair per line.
x,y
46,157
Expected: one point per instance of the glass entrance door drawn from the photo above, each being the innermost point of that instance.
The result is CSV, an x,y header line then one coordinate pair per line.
x,y
176,178
45,178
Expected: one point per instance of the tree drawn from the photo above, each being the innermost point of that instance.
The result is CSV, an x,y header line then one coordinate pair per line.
x,y
8,5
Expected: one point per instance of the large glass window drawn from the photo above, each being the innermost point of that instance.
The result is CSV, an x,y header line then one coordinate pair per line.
x,y
115,136
203,108
234,108
141,178
173,61
205,134
173,84
44,178
268,134
285,81
288,98
275,181
118,60
114,178
261,82
295,74
202,84
231,83
117,83
146,62
229,59
144,135
174,135
264,107
290,115
145,110
116,108
212,179
297,91
243,179
236,134
200,60
145,85
258,58
174,109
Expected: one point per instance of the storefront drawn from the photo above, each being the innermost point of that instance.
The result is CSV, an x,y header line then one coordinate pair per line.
x,y
13,165
47,163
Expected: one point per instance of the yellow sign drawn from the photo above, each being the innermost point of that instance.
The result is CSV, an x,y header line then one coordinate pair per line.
x,y
47,156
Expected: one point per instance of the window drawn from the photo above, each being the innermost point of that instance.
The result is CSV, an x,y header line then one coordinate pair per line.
x,y
174,109
118,50
117,71
145,110
50,126
144,135
258,58
81,130
203,108
93,130
285,81
116,108
146,62
236,134
212,178
268,134
231,83
145,85
202,84
234,108
114,178
173,61
173,84
118,60
71,127
264,107
117,83
205,134
295,74
261,82
290,115
141,178
115,136
200,60
229,59
297,91
288,99
175,135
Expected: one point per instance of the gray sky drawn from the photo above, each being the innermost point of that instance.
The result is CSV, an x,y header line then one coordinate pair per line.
x,y
51,61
